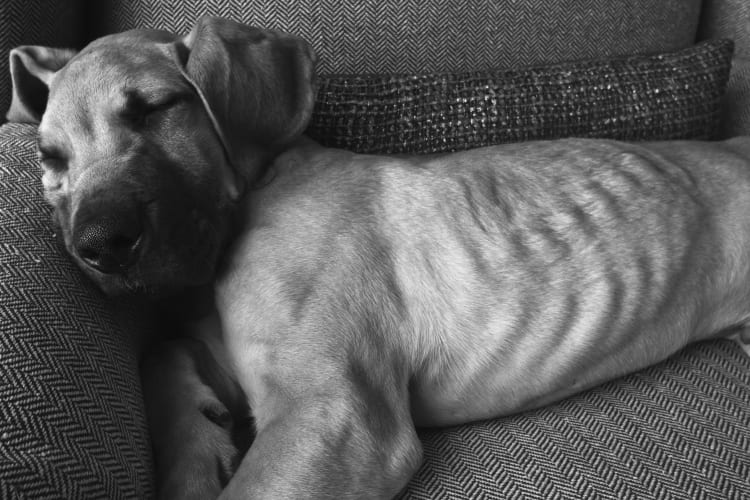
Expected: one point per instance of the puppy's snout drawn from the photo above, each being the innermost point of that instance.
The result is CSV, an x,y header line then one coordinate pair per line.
x,y
107,236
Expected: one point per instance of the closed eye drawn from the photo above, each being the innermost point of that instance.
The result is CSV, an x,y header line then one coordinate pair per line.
x,y
138,110
56,164
52,158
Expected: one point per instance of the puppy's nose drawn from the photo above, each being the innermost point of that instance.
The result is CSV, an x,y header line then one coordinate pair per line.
x,y
108,238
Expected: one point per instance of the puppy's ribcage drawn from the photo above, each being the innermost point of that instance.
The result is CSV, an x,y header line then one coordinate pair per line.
x,y
532,277
501,279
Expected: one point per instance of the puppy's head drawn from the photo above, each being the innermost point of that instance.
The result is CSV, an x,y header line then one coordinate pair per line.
x,y
147,141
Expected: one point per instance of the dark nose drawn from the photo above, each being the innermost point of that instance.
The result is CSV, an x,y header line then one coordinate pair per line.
x,y
107,235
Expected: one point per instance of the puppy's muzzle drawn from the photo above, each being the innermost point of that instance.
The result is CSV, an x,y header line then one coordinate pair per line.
x,y
107,234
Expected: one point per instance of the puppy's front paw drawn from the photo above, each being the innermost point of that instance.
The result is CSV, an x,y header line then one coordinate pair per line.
x,y
203,456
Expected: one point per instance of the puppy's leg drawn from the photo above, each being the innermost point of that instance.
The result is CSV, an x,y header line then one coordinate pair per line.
x,y
332,440
191,427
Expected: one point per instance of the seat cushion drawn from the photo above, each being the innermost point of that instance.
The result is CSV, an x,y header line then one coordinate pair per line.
x,y
72,423
678,430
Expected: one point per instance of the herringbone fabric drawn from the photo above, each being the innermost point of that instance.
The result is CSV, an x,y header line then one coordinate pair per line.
x,y
40,22
736,116
71,417
414,36
727,19
679,430
668,96
731,19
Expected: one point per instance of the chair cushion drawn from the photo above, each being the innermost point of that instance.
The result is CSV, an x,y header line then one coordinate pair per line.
x,y
414,36
675,430
675,95
72,423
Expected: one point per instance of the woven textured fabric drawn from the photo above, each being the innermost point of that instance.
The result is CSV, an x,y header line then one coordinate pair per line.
x,y
679,430
40,22
731,19
675,95
413,36
71,417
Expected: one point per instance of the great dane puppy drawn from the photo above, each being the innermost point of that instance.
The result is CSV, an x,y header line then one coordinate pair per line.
x,y
358,296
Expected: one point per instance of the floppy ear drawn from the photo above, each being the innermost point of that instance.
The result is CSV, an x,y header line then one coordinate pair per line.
x,y
258,84
31,70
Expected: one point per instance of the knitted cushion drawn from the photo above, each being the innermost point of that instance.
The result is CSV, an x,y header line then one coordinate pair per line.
x,y
679,430
415,36
675,95
71,418
41,22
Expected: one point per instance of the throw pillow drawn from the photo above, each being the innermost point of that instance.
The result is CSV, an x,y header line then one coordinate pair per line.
x,y
675,95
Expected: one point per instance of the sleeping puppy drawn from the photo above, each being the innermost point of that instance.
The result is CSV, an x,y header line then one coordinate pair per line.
x,y
353,297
